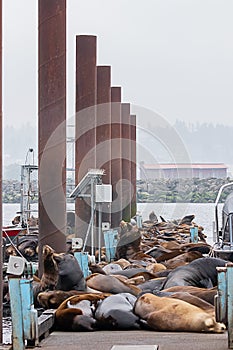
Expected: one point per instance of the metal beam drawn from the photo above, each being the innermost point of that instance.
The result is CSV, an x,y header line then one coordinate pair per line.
x,y
116,165
52,126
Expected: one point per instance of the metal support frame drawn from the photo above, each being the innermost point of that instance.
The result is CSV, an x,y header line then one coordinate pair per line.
x,y
86,189
216,207
224,299
27,327
26,192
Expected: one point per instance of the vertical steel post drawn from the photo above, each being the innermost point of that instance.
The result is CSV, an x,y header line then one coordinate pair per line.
x,y
18,339
85,121
221,297
103,130
126,163
133,164
230,304
116,165
1,255
52,118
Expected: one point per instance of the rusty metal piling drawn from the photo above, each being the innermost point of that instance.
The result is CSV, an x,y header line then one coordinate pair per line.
x,y
103,130
116,164
85,121
126,163
52,128
133,164
1,255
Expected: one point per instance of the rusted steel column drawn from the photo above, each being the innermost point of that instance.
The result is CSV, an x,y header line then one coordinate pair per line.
x,y
103,130
52,127
1,257
133,164
116,165
126,163
85,131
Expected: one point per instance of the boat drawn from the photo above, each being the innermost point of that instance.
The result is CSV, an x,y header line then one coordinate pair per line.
x,y
223,246
12,231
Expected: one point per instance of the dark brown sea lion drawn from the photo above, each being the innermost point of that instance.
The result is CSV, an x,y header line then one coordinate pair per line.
x,y
16,220
168,314
128,244
61,271
199,273
73,315
70,273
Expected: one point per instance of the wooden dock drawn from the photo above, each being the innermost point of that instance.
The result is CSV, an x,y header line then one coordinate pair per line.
x,y
105,340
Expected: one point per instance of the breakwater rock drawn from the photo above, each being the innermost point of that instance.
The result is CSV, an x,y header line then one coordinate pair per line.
x,y
181,190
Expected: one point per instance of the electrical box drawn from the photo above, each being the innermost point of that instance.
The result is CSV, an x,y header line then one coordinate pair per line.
x,y
16,265
105,226
103,193
77,243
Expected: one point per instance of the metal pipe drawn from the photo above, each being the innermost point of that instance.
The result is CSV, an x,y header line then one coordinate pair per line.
x,y
100,231
116,165
1,255
216,206
85,121
103,130
133,164
126,164
52,125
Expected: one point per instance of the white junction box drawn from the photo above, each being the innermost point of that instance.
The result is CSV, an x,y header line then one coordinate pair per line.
x,y
77,243
103,193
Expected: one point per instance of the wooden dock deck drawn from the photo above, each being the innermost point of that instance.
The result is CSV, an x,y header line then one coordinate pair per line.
x,y
105,340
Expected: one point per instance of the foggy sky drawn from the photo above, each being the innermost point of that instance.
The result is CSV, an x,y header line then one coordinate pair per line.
x,y
172,56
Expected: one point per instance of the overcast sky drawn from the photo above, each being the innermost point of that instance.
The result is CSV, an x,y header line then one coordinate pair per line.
x,y
172,56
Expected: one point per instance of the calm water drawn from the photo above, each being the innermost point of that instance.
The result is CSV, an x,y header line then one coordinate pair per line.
x,y
204,212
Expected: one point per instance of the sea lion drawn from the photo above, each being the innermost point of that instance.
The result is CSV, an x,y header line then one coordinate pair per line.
x,y
116,312
200,273
61,271
53,298
153,285
70,273
207,294
182,259
110,284
128,244
168,314
189,298
72,315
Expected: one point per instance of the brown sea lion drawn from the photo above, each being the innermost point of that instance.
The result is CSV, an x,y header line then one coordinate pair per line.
x,y
53,298
110,284
191,299
207,294
182,259
168,314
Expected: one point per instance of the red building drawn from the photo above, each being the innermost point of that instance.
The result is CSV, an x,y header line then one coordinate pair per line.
x,y
183,171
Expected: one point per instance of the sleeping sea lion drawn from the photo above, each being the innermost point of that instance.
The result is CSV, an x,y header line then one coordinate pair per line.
x,y
168,314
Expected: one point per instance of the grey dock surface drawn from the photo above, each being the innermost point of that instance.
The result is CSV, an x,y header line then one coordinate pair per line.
x,y
105,340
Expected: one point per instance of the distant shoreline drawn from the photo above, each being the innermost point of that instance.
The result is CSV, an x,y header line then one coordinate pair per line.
x,y
149,191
